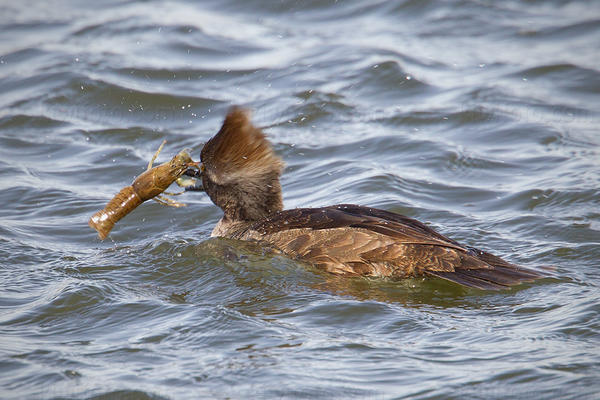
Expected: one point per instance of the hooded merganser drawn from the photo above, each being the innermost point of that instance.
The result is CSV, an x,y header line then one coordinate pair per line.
x,y
240,174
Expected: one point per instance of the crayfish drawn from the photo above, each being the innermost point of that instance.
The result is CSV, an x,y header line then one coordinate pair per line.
x,y
149,185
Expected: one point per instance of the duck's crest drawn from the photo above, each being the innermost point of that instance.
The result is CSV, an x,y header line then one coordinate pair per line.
x,y
239,151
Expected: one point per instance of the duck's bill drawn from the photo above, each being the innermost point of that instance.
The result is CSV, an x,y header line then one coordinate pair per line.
x,y
191,180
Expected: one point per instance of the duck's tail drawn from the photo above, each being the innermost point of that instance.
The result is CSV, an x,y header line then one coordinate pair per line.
x,y
493,274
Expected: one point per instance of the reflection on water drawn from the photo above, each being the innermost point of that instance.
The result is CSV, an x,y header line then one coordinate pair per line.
x,y
479,119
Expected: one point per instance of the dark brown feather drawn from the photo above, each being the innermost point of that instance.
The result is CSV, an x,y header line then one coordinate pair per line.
x,y
401,228
354,240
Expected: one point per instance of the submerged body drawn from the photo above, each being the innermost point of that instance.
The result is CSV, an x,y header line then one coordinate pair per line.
x,y
241,176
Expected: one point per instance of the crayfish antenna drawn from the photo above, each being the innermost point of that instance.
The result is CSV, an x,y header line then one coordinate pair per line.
x,y
156,154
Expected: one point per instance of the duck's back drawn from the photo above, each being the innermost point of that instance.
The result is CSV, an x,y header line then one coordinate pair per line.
x,y
348,239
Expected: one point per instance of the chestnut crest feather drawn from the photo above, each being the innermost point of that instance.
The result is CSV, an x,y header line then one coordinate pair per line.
x,y
241,171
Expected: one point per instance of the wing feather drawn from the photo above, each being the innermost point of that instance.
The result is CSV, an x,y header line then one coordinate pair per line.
x,y
354,240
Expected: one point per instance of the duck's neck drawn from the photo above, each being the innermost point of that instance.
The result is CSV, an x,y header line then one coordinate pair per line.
x,y
229,228
245,203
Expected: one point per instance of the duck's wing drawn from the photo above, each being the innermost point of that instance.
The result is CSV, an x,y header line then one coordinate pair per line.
x,y
356,240
402,229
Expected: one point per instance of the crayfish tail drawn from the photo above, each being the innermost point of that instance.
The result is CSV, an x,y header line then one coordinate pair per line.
x,y
122,204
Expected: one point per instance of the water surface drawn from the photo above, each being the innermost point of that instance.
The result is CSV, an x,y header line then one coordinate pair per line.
x,y
478,118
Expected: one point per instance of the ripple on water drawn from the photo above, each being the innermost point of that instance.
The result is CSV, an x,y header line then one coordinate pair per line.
x,y
568,77
476,118
123,105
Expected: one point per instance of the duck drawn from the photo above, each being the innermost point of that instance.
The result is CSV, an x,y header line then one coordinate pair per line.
x,y
240,173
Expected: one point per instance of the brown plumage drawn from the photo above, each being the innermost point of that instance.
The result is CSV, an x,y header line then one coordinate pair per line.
x,y
241,176
241,172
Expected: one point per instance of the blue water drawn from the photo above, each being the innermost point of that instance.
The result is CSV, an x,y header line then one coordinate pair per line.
x,y
478,118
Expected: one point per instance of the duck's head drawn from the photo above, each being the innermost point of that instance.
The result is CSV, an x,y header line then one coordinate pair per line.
x,y
240,171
